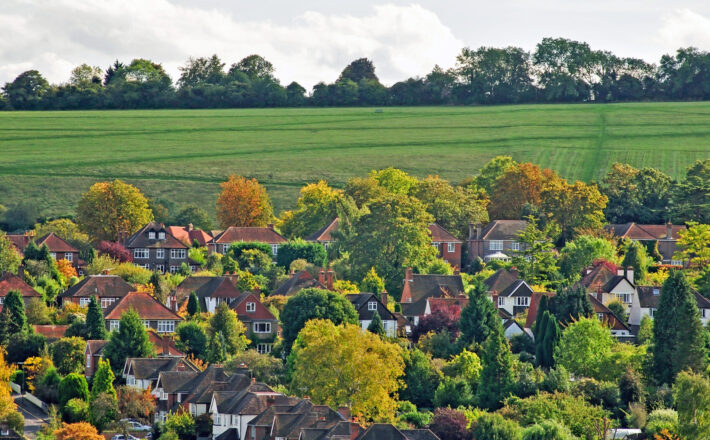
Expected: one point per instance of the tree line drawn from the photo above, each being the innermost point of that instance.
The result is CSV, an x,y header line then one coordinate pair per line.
x,y
559,70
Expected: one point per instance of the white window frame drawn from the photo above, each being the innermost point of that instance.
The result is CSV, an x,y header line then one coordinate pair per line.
x,y
600,317
372,305
2,300
251,306
495,245
106,302
515,246
161,235
178,254
450,247
53,255
84,302
141,253
160,253
263,348
522,301
88,361
160,268
174,269
225,248
69,257
501,301
146,323
114,324
652,312
151,235
275,249
266,327
625,298
166,326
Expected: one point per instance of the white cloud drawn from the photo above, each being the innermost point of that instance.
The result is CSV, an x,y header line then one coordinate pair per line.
x,y
53,37
683,28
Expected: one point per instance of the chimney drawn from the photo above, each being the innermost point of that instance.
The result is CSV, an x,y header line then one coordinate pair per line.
x,y
166,347
173,303
600,296
478,231
329,280
321,277
408,275
190,227
514,271
669,231
253,380
457,271
270,226
470,231
620,272
355,430
105,271
630,274
383,298
344,411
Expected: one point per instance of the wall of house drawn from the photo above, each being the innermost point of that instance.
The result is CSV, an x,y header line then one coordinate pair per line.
x,y
390,326
453,258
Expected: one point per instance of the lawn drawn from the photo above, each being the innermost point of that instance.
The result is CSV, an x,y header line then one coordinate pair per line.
x,y
182,155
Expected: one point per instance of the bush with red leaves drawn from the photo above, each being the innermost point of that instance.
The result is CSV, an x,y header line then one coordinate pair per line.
x,y
450,424
115,250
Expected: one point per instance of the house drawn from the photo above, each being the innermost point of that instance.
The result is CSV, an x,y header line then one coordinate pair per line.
x,y
512,328
618,328
448,247
497,241
164,344
152,312
10,281
50,332
296,420
262,326
210,291
666,236
154,248
189,235
609,283
379,431
108,289
20,241
299,281
366,304
417,288
646,303
222,241
324,235
142,373
92,354
232,410
59,249
508,291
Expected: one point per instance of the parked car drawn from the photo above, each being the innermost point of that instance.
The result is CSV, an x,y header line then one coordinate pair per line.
x,y
135,425
123,437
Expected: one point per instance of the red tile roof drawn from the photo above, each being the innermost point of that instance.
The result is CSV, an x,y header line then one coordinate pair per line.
x,y
635,231
324,233
147,307
441,235
265,235
160,343
261,312
20,241
51,331
187,235
55,244
10,282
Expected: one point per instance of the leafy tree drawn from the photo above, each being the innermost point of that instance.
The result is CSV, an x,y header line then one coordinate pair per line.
x,y
492,75
310,304
135,404
236,249
494,426
497,374
693,244
547,430
14,311
479,318
518,186
358,70
491,171
85,76
376,325
195,216
193,305
571,303
394,180
584,346
619,309
265,368
317,206
109,209
322,344
421,379
9,258
37,312
103,410
372,283
453,392
636,257
217,349
192,339
7,403
547,336
199,71
27,91
225,322
73,386
691,200
102,382
450,424
573,206
582,252
95,323
255,67
678,334
299,249
77,431
295,94
645,333
691,394
130,340
243,202
20,216
68,355
536,258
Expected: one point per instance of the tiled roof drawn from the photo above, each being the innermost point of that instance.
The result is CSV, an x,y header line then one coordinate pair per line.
x,y
9,281
147,307
635,231
503,229
207,287
428,286
261,312
359,302
439,234
20,241
500,280
419,434
517,288
55,244
297,282
324,233
649,297
599,307
111,286
96,345
141,240
162,342
187,235
51,331
534,304
150,368
234,234
601,277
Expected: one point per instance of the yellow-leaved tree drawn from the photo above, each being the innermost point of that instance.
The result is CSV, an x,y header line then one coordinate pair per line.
x,y
347,366
243,202
7,404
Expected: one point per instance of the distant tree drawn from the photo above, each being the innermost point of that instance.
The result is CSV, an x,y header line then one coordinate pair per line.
x,y
494,426
317,205
102,382
535,258
192,339
693,245
85,76
295,94
199,71
130,340
518,186
68,355
135,404
243,202
193,305
14,307
584,346
421,378
582,252
299,249
9,258
103,410
479,318
497,374
225,322
195,216
27,91
619,309
691,200
574,206
571,303
547,430
490,172
372,283
450,424
255,67
549,340
637,259
691,395
358,70
109,209
72,386
491,75
20,216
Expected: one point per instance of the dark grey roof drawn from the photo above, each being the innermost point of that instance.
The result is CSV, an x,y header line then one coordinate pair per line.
x,y
500,280
140,239
111,286
419,434
206,287
359,302
434,286
503,229
150,368
229,434
517,288
297,282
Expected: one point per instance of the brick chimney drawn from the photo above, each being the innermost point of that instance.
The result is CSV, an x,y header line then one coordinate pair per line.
x,y
321,277
620,271
344,411
329,280
173,303
166,345
355,430
406,290
600,295
383,298
514,271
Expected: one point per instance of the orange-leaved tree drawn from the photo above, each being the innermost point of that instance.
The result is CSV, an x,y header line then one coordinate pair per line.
x,y
519,185
77,431
65,268
243,202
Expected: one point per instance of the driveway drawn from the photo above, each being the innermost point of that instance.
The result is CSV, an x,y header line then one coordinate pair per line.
x,y
35,418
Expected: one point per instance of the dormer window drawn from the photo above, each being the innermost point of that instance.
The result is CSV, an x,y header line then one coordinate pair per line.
x,y
151,235
251,307
161,235
372,305
656,291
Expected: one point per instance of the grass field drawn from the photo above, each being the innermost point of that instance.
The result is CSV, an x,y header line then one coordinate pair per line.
x,y
182,155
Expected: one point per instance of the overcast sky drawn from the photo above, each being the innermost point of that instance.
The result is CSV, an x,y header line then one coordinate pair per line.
x,y
309,41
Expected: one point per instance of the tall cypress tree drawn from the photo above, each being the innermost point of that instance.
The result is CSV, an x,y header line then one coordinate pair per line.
x,y
550,340
376,325
570,303
479,318
130,340
103,380
678,333
193,305
539,331
95,324
17,320
497,374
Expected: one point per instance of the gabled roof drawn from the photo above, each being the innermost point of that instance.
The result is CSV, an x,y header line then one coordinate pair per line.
x,y
163,343
419,434
612,319
229,434
234,234
517,288
147,307
20,241
111,286
381,431
601,278
187,234
503,229
261,312
359,302
635,231
439,235
150,368
324,233
534,304
649,297
94,346
207,287
428,286
9,281
502,313
140,239
297,282
55,244
51,331
500,280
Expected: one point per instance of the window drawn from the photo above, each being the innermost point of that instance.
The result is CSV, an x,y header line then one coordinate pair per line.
x,y
69,256
652,312
676,262
84,301
262,327
105,302
263,348
451,247
113,325
146,324
624,297
160,267
496,245
160,253
173,269
702,313
88,361
130,380
225,248
140,253
516,246
178,253
2,300
166,326
251,307
161,235
501,301
179,397
274,249
523,301
144,266
600,316
151,235
53,255
656,291
372,305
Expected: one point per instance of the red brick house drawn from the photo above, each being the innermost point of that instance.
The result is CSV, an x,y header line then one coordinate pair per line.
x,y
59,249
324,235
221,242
154,248
419,288
92,354
107,289
20,241
666,236
262,325
151,311
9,281
448,246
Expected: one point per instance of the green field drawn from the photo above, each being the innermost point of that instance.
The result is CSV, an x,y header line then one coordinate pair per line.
x,y
182,155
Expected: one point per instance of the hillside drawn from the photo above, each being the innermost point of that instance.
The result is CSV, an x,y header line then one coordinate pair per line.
x,y
182,155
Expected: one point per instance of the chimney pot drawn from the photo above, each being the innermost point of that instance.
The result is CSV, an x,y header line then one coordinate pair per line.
x,y
329,280
620,272
270,226
189,227
321,277
344,411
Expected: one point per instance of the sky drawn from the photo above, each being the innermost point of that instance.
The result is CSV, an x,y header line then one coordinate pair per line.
x,y
312,40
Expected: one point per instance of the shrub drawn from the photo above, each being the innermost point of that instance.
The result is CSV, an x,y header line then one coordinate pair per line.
x,y
76,410
661,419
313,253
236,249
115,250
494,426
